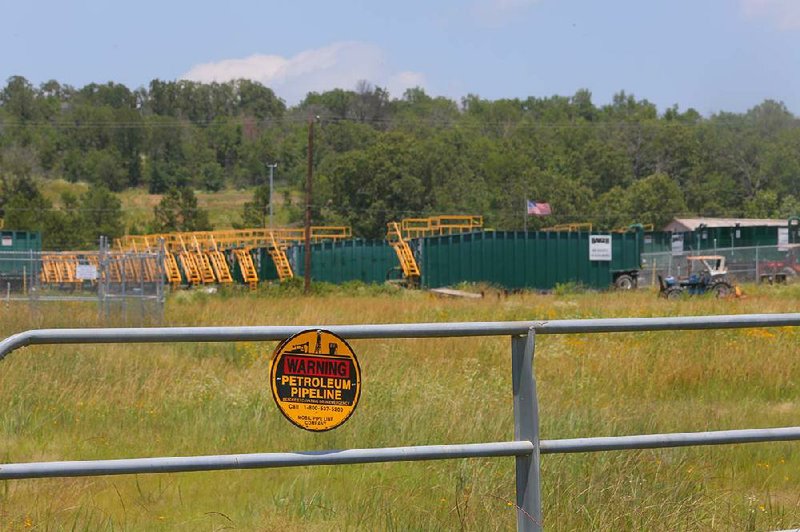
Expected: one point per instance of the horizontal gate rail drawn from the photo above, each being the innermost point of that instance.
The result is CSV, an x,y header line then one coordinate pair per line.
x,y
674,439
262,460
183,464
526,447
399,330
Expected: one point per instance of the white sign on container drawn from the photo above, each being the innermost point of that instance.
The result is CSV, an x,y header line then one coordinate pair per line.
x,y
86,272
7,241
783,238
677,244
600,247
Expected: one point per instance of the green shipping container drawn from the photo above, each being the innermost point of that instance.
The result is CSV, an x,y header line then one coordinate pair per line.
x,y
369,261
265,266
515,259
236,270
15,248
711,238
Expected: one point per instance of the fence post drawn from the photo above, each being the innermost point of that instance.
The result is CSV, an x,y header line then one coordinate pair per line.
x,y
102,277
526,428
161,273
758,273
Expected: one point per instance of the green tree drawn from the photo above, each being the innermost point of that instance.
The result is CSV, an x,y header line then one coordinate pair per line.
x,y
254,212
371,187
790,206
257,100
104,167
713,194
655,200
178,211
211,177
23,205
763,205
18,99
336,103
225,138
64,229
101,214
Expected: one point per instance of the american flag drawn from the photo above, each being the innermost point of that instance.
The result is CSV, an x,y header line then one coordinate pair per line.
x,y
538,208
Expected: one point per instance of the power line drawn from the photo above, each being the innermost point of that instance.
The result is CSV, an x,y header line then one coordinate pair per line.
x,y
406,212
463,121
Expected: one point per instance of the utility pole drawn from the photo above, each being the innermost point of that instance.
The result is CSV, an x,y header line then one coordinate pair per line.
x,y
309,175
271,170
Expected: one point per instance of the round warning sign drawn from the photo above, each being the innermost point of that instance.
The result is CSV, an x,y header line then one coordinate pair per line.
x,y
316,380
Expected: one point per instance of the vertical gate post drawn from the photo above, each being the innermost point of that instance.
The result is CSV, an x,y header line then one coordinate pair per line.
x,y
526,428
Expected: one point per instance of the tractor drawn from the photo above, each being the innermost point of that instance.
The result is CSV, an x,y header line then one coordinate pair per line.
x,y
782,270
706,274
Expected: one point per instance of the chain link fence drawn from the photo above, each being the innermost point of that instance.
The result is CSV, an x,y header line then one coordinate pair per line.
x,y
130,283
773,264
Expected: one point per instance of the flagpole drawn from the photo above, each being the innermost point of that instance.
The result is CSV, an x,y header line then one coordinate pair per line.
x,y
525,211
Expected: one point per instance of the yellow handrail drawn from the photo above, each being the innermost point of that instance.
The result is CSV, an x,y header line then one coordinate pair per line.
x,y
569,227
445,224
236,238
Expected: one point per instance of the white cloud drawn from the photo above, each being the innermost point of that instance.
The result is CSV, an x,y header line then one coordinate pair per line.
x,y
338,65
398,83
499,12
785,14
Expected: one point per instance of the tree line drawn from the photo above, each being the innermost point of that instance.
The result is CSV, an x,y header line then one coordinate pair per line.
x,y
379,158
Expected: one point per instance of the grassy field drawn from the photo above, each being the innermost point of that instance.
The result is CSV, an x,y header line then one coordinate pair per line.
x,y
87,402
224,207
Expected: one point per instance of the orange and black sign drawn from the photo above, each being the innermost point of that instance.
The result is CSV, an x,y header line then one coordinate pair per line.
x,y
316,380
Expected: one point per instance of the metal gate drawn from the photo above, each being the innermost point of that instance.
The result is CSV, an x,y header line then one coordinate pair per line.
x,y
526,446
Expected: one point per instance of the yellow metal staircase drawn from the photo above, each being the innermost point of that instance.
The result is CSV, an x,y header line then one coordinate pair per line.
x,y
189,265
49,273
408,263
201,255
220,266
249,273
219,263
131,268
203,264
66,265
59,269
171,269
135,265
150,269
281,261
114,271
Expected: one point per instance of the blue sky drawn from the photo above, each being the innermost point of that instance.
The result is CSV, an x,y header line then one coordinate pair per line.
x,y
712,55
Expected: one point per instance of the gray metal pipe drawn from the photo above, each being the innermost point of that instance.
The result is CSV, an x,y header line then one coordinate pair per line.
x,y
401,330
677,439
526,428
261,460
389,454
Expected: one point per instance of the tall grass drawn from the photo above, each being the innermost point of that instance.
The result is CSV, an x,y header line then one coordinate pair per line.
x,y
114,401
